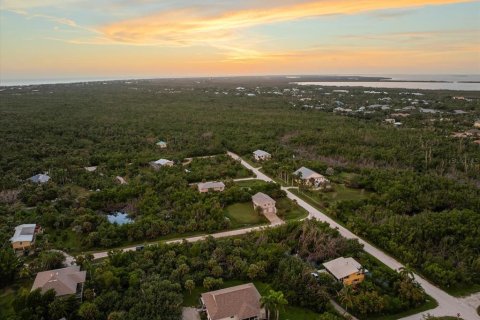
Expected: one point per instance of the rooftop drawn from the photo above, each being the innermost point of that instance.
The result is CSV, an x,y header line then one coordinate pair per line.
x,y
261,153
23,232
342,267
64,281
307,173
39,178
261,198
211,184
242,301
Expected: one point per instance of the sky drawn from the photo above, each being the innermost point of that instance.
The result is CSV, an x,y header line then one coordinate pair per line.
x,y
87,39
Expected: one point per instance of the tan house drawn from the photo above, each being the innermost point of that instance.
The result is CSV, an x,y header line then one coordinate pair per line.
x,y
24,236
311,178
346,270
64,281
264,202
260,155
211,186
477,124
235,303
162,144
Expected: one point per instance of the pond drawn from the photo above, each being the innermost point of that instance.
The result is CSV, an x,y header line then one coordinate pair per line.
x,y
119,218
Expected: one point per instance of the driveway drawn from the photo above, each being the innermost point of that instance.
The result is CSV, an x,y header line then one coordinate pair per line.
x,y
190,314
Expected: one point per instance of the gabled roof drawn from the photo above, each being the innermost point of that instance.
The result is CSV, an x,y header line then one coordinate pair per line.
x,y
342,267
210,185
261,153
242,301
307,173
39,178
63,281
261,198
161,142
23,232
162,162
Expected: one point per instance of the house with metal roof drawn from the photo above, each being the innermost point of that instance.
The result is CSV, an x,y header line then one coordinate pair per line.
x,y
64,281
162,144
24,236
234,303
311,178
161,163
346,270
40,178
260,155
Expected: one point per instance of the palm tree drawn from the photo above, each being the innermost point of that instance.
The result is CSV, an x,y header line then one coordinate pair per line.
x,y
406,272
272,302
346,297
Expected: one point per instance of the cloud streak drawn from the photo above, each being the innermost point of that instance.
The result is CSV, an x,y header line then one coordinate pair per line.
x,y
190,26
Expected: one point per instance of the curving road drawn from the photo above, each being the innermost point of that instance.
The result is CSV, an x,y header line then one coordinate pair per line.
x,y
447,304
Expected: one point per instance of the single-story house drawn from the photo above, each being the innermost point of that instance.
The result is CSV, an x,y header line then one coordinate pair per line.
x,y
235,303
162,144
161,163
211,186
64,281
24,236
263,201
311,178
346,270
40,178
261,155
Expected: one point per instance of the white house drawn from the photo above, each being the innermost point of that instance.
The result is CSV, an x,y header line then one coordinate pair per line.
x,y
311,178
24,236
162,144
261,155
212,185
40,178
161,163
264,202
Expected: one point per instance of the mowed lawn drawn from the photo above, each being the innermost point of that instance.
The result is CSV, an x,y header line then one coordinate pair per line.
x,y
288,210
243,215
286,313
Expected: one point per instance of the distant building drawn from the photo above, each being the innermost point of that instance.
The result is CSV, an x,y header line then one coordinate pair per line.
x,y
91,169
311,178
391,121
65,281
211,186
264,202
24,236
477,124
235,303
346,270
261,155
162,144
161,163
40,178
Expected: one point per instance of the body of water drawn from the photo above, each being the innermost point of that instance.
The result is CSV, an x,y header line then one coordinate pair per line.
x,y
119,218
455,86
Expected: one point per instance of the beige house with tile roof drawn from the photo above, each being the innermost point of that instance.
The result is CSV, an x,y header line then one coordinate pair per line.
x,y
235,303
264,202
64,281
211,186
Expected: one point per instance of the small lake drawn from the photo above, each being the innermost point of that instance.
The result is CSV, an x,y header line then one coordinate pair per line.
x,y
119,218
455,86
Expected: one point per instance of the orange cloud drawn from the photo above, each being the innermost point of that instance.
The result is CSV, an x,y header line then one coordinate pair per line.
x,y
189,26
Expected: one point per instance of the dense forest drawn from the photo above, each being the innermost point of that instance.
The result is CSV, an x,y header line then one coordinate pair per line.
x,y
420,180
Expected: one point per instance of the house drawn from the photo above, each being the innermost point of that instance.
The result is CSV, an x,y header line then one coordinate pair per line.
x,y
24,236
477,124
311,178
64,281
162,144
346,270
40,178
261,155
264,202
391,121
91,169
235,303
161,163
212,185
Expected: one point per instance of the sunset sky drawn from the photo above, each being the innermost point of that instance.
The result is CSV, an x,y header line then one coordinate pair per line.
x,y
80,39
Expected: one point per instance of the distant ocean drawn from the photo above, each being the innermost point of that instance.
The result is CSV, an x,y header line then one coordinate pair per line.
x,y
421,82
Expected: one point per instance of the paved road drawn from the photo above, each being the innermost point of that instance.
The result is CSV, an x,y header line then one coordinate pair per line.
x,y
447,304
230,233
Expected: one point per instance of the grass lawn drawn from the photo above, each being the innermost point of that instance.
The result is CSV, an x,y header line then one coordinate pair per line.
x,y
463,291
249,183
249,159
429,304
243,215
289,211
289,313
340,193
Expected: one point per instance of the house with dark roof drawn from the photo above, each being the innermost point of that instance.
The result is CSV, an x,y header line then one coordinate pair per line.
x,y
64,281
235,303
